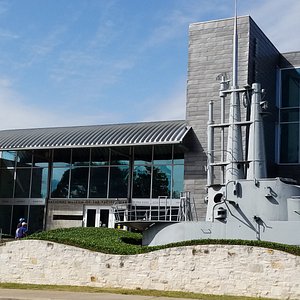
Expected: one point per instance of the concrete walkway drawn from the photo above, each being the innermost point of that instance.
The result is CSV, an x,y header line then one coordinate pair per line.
x,y
16,294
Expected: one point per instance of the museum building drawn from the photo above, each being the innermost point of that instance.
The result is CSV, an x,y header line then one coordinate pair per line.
x,y
76,176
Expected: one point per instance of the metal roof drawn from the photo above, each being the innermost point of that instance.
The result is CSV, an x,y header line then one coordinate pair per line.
x,y
148,133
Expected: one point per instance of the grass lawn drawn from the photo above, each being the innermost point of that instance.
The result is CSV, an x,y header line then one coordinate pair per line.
x,y
152,293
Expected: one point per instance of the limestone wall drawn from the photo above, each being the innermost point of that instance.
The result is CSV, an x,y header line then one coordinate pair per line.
x,y
211,269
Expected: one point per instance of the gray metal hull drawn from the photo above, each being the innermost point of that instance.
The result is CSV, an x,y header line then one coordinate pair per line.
x,y
285,232
265,209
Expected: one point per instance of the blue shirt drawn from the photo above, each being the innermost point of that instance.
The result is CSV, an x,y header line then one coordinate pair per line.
x,y
22,231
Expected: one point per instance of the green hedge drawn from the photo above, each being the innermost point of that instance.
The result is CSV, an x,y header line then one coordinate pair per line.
x,y
263,244
104,240
114,241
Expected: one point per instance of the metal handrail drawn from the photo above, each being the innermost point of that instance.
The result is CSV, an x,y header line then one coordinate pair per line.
x,y
159,211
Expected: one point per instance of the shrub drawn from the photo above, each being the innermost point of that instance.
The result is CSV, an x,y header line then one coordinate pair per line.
x,y
114,241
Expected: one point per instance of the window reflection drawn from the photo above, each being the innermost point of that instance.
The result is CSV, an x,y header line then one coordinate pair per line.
x,y
41,158
6,183
289,115
290,84
81,157
24,159
98,182
119,156
178,156
39,182
100,156
163,176
157,171
141,182
178,179
161,182
143,155
163,155
22,186
118,184
61,157
60,182
7,159
289,151
79,182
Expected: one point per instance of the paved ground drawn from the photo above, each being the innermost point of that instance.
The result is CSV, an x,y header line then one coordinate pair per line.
x,y
11,294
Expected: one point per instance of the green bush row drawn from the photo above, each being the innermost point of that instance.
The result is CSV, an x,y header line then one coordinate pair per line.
x,y
104,240
114,241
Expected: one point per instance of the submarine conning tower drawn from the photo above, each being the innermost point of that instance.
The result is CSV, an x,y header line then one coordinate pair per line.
x,y
244,194
236,166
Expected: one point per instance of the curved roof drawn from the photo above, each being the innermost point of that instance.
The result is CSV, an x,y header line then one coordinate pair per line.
x,y
150,133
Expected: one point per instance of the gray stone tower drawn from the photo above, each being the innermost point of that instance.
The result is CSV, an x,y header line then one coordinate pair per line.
x,y
210,54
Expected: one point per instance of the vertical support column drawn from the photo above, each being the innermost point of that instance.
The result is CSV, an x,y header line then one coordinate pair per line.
x,y
210,145
48,195
224,85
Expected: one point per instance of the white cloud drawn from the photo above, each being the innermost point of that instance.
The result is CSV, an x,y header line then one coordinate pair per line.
x,y
93,70
171,107
278,19
6,34
17,113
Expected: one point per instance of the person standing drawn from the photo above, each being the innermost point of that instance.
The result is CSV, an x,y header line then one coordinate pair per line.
x,y
22,231
17,230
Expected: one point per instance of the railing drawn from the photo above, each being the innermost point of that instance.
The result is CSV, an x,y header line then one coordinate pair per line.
x,y
158,210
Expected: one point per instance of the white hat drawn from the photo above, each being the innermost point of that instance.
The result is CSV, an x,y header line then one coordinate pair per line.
x,y
24,223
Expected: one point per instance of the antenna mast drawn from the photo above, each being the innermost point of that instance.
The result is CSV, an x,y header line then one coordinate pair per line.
x,y
235,51
234,168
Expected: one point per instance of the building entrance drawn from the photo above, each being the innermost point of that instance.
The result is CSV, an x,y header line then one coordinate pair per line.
x,y
98,216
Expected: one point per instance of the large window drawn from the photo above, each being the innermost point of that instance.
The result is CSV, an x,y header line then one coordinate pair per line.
x,y
80,173
289,116
6,183
158,171
118,183
7,171
99,182
90,173
120,172
23,174
60,182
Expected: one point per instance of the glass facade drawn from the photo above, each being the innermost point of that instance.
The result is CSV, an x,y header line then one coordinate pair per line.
x,y
93,173
10,215
289,116
90,173
105,172
27,178
23,174
158,171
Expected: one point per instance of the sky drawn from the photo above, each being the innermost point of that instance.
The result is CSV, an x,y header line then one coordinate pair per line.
x,y
85,62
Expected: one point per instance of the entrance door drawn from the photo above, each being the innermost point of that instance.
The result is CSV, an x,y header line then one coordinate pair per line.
x,y
98,216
